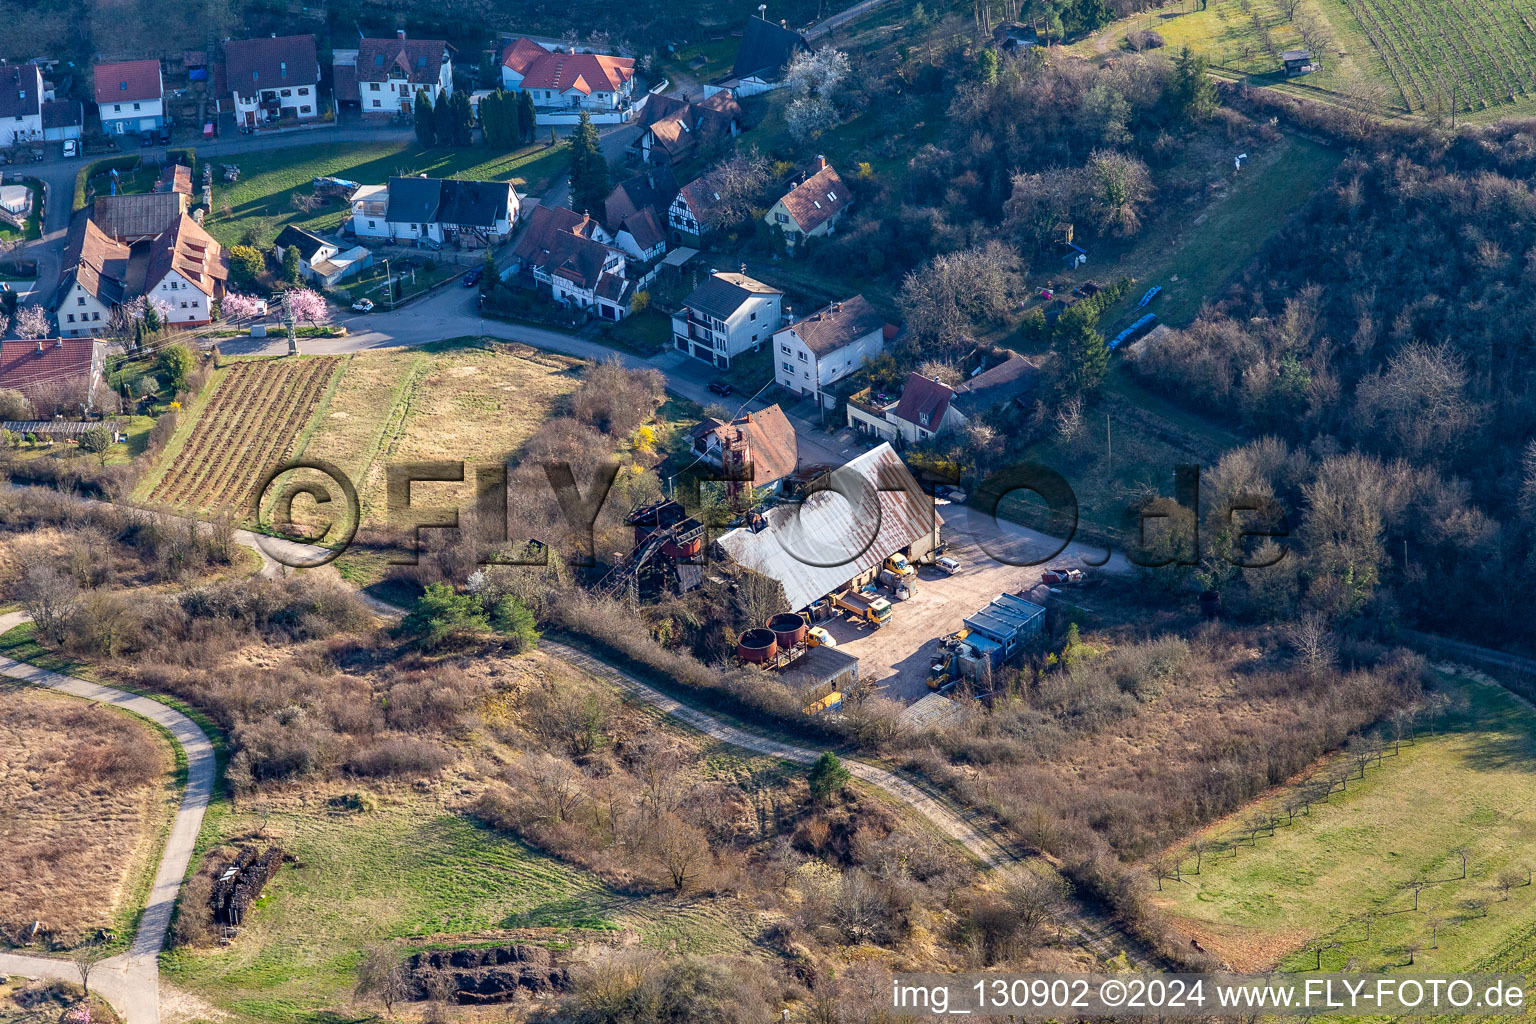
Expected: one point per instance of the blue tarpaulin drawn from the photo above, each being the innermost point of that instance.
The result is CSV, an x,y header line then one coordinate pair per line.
x,y
1135,327
1151,294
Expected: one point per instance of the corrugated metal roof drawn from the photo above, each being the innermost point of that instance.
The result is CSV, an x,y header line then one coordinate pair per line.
x,y
932,712
1005,616
870,508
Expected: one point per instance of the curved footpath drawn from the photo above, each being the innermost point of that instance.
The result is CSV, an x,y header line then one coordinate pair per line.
x,y
130,981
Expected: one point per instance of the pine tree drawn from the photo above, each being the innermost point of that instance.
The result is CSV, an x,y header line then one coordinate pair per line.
x,y
463,119
1193,94
493,119
589,171
1082,357
442,121
527,118
291,264
425,129
828,777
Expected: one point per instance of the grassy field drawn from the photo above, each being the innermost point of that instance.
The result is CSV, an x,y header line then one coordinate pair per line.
x,y
1193,257
1423,56
89,793
1339,874
135,439
261,203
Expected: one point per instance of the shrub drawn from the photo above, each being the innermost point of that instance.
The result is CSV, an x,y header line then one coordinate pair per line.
x,y
443,616
400,756
513,620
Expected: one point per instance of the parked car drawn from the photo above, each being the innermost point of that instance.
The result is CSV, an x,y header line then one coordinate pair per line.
x,y
363,306
949,493
71,149
720,387
164,135
472,278
948,564
146,138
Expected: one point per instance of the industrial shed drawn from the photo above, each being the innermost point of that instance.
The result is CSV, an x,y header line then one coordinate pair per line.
x,y
870,508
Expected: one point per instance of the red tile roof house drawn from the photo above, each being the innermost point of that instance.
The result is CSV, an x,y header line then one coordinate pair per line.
x,y
130,96
187,271
812,208
565,83
390,72
58,375
273,78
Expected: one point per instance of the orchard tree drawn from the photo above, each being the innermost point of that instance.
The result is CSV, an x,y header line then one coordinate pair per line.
x,y
32,322
175,365
308,306
235,306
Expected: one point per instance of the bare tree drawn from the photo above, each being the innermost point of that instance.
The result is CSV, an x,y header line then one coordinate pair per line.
x,y
558,785
1462,853
85,957
1416,886
1314,641
1478,905
1412,949
1199,847
382,976
1289,8
1434,931
680,848
1032,900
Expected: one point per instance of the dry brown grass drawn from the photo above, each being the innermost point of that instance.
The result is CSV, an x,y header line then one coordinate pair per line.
x,y
412,405
85,792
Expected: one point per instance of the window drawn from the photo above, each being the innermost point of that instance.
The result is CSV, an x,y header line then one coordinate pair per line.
x,y
753,316
71,318
784,349
303,92
781,218
135,106
287,92
117,108
754,338
183,305
373,86
95,316
802,357
79,300
304,110
373,224
790,367
375,102
806,374
195,304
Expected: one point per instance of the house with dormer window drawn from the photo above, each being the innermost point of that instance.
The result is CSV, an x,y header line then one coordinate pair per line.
x,y
273,78
130,96
21,103
388,72
812,208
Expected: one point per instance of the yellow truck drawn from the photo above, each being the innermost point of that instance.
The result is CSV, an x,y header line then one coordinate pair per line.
x,y
870,608
899,565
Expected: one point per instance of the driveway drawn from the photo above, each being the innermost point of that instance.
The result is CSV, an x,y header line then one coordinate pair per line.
x,y
130,981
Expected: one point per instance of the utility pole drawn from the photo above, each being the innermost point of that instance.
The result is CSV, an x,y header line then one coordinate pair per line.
x,y
290,324
389,285
1109,445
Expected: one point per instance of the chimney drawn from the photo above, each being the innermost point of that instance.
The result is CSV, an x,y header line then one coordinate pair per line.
x,y
58,342
400,32
39,346
821,162
837,307
743,268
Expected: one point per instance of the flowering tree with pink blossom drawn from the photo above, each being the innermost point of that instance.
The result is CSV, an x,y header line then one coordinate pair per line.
x,y
235,306
32,322
307,306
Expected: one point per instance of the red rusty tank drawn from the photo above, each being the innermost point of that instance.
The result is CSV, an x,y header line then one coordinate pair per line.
x,y
757,646
684,549
788,627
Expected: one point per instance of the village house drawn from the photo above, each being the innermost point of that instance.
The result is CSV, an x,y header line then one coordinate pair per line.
x,y
273,78
175,178
641,236
138,217
726,315
544,226
21,103
568,82
570,253
674,129
187,272
653,190
322,262
63,119
57,375
694,212
93,281
384,75
435,210
770,447
766,49
813,353
812,208
928,407
130,96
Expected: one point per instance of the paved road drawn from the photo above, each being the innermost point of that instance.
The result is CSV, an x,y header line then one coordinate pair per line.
x,y
131,981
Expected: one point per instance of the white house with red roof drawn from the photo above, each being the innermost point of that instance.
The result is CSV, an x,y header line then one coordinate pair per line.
x,y
187,272
564,83
57,375
130,96
384,75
